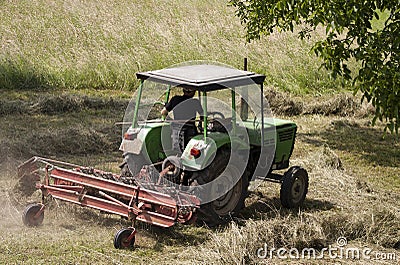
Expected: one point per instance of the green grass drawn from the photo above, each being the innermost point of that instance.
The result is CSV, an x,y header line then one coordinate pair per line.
x,y
66,74
100,45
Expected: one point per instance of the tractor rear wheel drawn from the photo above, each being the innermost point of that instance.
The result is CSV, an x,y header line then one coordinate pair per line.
x,y
294,187
222,175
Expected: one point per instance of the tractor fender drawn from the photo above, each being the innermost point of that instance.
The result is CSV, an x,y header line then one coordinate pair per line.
x,y
148,140
207,148
223,139
131,146
135,144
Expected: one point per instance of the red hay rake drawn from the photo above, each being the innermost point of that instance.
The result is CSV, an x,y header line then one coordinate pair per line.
x,y
143,201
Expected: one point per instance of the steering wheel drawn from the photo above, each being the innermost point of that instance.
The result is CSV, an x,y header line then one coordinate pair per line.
x,y
218,123
215,114
200,125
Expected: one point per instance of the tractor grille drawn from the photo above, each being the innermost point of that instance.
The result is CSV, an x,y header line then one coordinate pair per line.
x,y
285,135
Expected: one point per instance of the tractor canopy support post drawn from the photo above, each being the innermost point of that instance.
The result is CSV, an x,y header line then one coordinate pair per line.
x,y
244,97
135,114
262,114
244,107
168,92
233,111
205,115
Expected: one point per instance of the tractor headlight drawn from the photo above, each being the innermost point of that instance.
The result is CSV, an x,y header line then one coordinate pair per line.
x,y
195,152
131,134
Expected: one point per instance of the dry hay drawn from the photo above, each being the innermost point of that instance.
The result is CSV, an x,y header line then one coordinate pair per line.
x,y
362,215
9,107
343,104
63,103
282,104
76,140
71,103
59,135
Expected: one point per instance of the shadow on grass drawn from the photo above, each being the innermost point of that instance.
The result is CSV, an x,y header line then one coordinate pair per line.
x,y
262,207
21,74
363,142
178,235
258,206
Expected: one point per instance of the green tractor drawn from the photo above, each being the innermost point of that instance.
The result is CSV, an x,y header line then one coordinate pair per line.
x,y
236,140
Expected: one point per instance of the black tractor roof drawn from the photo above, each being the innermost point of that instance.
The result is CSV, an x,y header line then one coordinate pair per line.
x,y
203,77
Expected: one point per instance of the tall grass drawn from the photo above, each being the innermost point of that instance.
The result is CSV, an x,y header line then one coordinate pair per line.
x,y
101,44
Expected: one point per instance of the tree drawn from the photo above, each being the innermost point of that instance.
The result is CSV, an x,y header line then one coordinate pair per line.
x,y
349,34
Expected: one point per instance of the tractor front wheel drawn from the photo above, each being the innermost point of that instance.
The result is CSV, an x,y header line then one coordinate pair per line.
x,y
294,187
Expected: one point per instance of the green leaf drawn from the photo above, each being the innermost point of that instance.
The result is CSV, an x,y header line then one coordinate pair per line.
x,y
350,35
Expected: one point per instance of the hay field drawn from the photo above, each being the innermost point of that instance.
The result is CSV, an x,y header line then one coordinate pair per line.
x,y
67,74
354,193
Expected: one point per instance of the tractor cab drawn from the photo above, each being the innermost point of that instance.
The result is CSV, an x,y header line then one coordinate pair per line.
x,y
226,119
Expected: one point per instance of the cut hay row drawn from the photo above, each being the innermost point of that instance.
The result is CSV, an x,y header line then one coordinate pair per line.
x,y
338,205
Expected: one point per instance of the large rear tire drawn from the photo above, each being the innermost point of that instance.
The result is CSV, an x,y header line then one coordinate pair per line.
x,y
221,210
